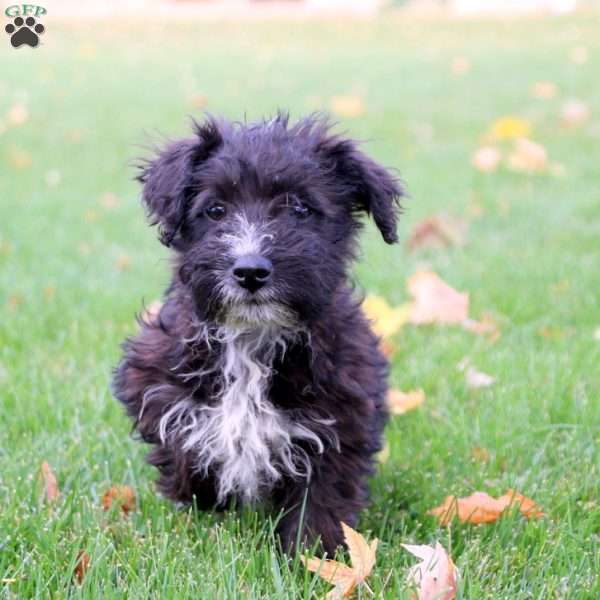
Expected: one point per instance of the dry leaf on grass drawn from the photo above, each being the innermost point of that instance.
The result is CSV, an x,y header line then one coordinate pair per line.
x,y
574,113
385,319
51,490
544,90
439,231
509,128
435,301
348,106
480,454
435,577
480,508
81,566
486,159
401,402
486,326
122,496
528,157
346,579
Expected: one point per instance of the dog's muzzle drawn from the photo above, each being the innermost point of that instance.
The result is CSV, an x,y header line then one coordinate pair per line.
x,y
252,272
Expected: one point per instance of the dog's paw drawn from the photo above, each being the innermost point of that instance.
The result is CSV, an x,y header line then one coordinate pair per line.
x,y
24,31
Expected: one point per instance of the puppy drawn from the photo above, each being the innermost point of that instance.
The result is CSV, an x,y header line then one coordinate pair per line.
x,y
260,379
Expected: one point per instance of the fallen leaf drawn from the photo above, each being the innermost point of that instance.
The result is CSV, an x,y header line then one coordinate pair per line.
x,y
439,231
578,55
480,454
17,115
509,128
460,65
346,579
121,495
435,301
574,113
348,106
435,577
486,159
544,90
50,484
150,313
385,319
477,379
480,508
81,566
400,402
528,156
484,327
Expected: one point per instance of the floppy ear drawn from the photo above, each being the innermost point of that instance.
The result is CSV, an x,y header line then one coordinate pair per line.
x,y
168,179
371,187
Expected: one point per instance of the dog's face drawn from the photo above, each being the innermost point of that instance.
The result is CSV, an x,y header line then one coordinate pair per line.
x,y
264,216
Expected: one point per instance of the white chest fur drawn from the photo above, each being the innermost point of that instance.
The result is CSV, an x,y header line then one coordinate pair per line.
x,y
243,438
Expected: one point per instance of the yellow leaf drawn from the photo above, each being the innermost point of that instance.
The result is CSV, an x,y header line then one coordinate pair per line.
x,y
528,157
435,577
385,320
401,402
507,128
346,578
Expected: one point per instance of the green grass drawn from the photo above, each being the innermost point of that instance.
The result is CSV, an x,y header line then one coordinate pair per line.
x,y
96,91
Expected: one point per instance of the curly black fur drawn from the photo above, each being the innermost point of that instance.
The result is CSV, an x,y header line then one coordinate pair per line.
x,y
323,371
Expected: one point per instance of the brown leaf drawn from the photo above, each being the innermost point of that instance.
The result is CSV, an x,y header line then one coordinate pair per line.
x,y
528,157
484,327
401,402
486,159
480,454
50,484
435,577
437,232
346,579
480,508
435,301
121,495
349,106
81,566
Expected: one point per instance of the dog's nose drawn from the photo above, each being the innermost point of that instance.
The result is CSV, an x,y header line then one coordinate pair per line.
x,y
252,271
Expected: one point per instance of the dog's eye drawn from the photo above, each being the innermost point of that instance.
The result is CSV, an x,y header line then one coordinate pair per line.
x,y
215,212
301,210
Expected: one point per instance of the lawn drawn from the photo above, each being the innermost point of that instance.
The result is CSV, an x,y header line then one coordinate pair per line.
x,y
76,261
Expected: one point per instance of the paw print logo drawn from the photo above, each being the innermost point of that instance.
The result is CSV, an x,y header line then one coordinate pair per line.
x,y
24,31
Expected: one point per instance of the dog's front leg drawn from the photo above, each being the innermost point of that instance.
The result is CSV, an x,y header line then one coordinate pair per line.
x,y
315,509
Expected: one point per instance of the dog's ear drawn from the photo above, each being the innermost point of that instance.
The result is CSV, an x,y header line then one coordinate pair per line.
x,y
168,179
369,186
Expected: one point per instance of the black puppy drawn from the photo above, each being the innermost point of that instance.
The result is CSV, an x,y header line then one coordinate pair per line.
x,y
260,378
